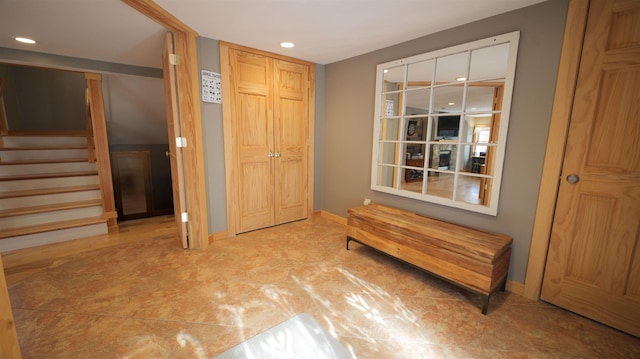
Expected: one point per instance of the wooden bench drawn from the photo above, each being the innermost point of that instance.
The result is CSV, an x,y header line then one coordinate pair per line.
x,y
472,259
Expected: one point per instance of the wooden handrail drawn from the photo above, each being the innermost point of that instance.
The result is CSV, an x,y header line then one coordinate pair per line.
x,y
91,156
96,104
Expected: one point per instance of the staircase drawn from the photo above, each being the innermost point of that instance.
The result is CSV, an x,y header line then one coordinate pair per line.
x,y
49,191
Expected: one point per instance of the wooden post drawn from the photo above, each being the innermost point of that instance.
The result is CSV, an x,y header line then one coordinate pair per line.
x,y
98,121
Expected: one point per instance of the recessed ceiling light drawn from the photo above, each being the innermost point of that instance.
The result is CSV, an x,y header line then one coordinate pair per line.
x,y
461,79
25,40
287,45
451,103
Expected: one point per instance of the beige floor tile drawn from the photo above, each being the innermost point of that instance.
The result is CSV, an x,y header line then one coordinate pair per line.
x,y
152,299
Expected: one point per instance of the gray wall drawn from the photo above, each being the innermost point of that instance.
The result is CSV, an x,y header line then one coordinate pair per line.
x,y
133,95
213,141
348,124
38,99
319,142
135,110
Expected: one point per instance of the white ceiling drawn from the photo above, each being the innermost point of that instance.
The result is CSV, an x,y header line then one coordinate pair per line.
x,y
324,31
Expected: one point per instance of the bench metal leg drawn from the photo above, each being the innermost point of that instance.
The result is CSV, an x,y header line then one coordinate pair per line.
x,y
485,304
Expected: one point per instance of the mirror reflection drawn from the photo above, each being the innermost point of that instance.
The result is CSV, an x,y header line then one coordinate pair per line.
x,y
439,120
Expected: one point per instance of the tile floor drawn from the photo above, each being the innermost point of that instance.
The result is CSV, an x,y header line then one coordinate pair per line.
x,y
151,299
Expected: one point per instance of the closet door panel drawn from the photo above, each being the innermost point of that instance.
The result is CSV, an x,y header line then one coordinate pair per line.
x,y
255,167
255,195
291,202
253,73
253,137
291,129
253,126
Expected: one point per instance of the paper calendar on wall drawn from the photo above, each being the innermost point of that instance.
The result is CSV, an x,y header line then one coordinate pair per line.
x,y
211,87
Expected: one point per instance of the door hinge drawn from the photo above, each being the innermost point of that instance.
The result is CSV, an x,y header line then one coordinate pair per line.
x,y
181,142
174,59
185,217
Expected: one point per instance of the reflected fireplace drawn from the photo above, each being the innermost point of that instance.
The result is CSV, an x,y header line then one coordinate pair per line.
x,y
443,157
444,160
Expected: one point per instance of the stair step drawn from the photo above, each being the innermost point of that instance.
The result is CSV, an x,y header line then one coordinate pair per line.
x,y
45,191
48,198
48,175
50,182
36,215
43,148
43,141
49,153
42,168
43,161
40,228
50,237
49,208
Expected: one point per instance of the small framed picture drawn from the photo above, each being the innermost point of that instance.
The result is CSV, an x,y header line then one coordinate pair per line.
x,y
411,128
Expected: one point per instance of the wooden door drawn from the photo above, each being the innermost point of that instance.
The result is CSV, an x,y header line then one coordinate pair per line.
x,y
269,118
486,185
253,136
291,107
593,262
175,153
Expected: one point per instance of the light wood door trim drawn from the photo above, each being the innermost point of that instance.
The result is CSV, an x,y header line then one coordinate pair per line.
x,y
560,116
98,121
311,139
229,147
188,80
156,13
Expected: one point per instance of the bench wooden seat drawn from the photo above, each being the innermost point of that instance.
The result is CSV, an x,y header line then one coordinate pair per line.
x,y
472,259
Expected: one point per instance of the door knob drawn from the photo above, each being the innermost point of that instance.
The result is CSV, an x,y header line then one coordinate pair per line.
x,y
573,178
277,154
270,154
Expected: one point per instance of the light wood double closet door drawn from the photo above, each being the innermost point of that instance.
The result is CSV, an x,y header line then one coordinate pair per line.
x,y
270,123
